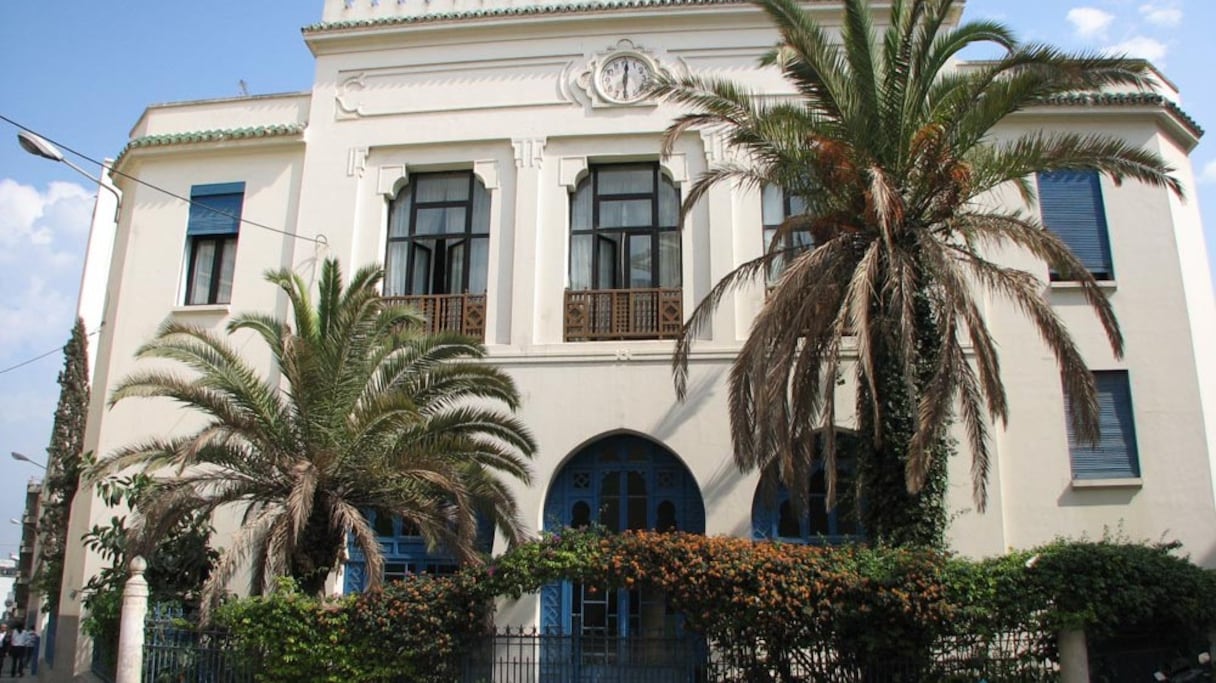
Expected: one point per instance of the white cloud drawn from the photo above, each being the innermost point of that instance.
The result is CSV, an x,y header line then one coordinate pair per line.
x,y
1090,22
1161,14
42,241
1208,175
1141,47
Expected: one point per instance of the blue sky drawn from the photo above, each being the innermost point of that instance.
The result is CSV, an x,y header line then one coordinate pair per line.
x,y
81,72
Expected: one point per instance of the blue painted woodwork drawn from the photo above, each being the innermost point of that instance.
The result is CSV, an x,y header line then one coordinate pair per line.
x,y
1071,206
775,515
215,209
405,552
619,482
1115,455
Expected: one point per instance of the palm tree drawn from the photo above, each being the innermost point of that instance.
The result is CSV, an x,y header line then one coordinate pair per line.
x,y
890,145
360,412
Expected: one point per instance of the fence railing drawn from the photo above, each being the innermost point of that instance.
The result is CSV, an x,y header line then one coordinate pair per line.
x,y
463,313
530,656
617,314
176,653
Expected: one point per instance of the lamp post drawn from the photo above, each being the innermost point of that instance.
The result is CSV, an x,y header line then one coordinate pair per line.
x,y
41,148
25,458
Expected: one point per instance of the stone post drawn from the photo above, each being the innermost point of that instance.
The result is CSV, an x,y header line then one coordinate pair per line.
x,y
1074,657
131,636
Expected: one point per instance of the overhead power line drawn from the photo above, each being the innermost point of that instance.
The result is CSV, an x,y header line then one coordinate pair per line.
x,y
319,239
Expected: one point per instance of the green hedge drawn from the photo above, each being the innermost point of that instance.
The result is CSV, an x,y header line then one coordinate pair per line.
x,y
863,602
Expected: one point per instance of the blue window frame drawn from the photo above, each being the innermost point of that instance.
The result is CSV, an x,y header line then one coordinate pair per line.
x,y
775,515
211,235
1071,206
1115,455
405,552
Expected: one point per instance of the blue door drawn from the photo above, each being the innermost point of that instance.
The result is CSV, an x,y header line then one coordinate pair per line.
x,y
619,483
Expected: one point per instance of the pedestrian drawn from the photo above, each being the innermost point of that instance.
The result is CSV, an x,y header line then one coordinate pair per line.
x,y
17,651
31,651
5,643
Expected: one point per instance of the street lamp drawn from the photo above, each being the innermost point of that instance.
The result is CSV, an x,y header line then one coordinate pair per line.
x,y
25,458
41,148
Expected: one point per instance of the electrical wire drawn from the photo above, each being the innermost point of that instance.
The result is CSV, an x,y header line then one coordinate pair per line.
x,y
319,239
39,357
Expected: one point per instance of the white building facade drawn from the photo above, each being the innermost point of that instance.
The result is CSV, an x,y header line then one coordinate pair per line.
x,y
496,156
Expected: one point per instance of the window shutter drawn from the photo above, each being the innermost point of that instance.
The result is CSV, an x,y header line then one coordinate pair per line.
x,y
1071,206
1114,456
216,209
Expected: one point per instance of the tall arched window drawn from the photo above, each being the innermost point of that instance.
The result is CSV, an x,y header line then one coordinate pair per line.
x,y
776,208
624,229
624,255
438,236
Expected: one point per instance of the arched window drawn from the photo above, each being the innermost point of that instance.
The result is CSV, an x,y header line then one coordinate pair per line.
x,y
777,206
618,483
438,236
624,229
775,515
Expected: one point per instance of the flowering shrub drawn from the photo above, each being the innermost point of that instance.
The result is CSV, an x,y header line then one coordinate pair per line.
x,y
867,604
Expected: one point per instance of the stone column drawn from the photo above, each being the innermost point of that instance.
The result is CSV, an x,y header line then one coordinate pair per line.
x,y
131,636
1074,657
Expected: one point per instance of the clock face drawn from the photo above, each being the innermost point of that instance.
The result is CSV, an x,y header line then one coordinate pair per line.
x,y
626,78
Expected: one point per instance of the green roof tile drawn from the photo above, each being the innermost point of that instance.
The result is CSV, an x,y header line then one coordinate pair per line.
x,y
216,135
1129,100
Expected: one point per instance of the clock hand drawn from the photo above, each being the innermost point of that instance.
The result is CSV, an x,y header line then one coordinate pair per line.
x,y
625,84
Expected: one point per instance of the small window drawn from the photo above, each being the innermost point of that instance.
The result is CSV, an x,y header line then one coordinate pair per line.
x,y
1115,455
777,206
438,236
211,236
1071,206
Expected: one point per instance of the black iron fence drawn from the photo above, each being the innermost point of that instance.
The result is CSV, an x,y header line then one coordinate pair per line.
x,y
175,652
530,656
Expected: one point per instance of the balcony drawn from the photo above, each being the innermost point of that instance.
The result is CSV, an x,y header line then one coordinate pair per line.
x,y
463,313
620,314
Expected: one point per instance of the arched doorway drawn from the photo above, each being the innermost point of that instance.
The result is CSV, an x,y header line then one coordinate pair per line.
x,y
618,482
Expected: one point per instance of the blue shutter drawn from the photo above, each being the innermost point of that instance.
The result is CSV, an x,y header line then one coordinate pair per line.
x,y
1071,206
1115,455
215,209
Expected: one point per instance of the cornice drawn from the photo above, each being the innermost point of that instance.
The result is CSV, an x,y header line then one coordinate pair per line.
x,y
529,10
206,136
1128,100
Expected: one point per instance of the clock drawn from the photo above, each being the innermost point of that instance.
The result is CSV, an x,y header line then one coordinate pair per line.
x,y
625,78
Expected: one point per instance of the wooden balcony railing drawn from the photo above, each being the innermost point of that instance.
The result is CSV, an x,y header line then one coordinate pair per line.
x,y
608,314
463,313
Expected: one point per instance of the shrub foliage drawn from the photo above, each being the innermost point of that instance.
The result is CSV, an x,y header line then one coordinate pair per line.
x,y
865,603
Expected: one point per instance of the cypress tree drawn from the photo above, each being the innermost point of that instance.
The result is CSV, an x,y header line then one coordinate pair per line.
x,y
65,457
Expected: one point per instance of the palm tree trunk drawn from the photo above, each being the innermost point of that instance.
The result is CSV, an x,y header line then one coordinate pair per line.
x,y
317,553
891,514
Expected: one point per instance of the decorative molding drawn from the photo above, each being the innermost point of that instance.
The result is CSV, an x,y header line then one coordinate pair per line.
x,y
389,179
529,152
487,171
569,169
443,87
587,82
717,153
356,162
676,166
